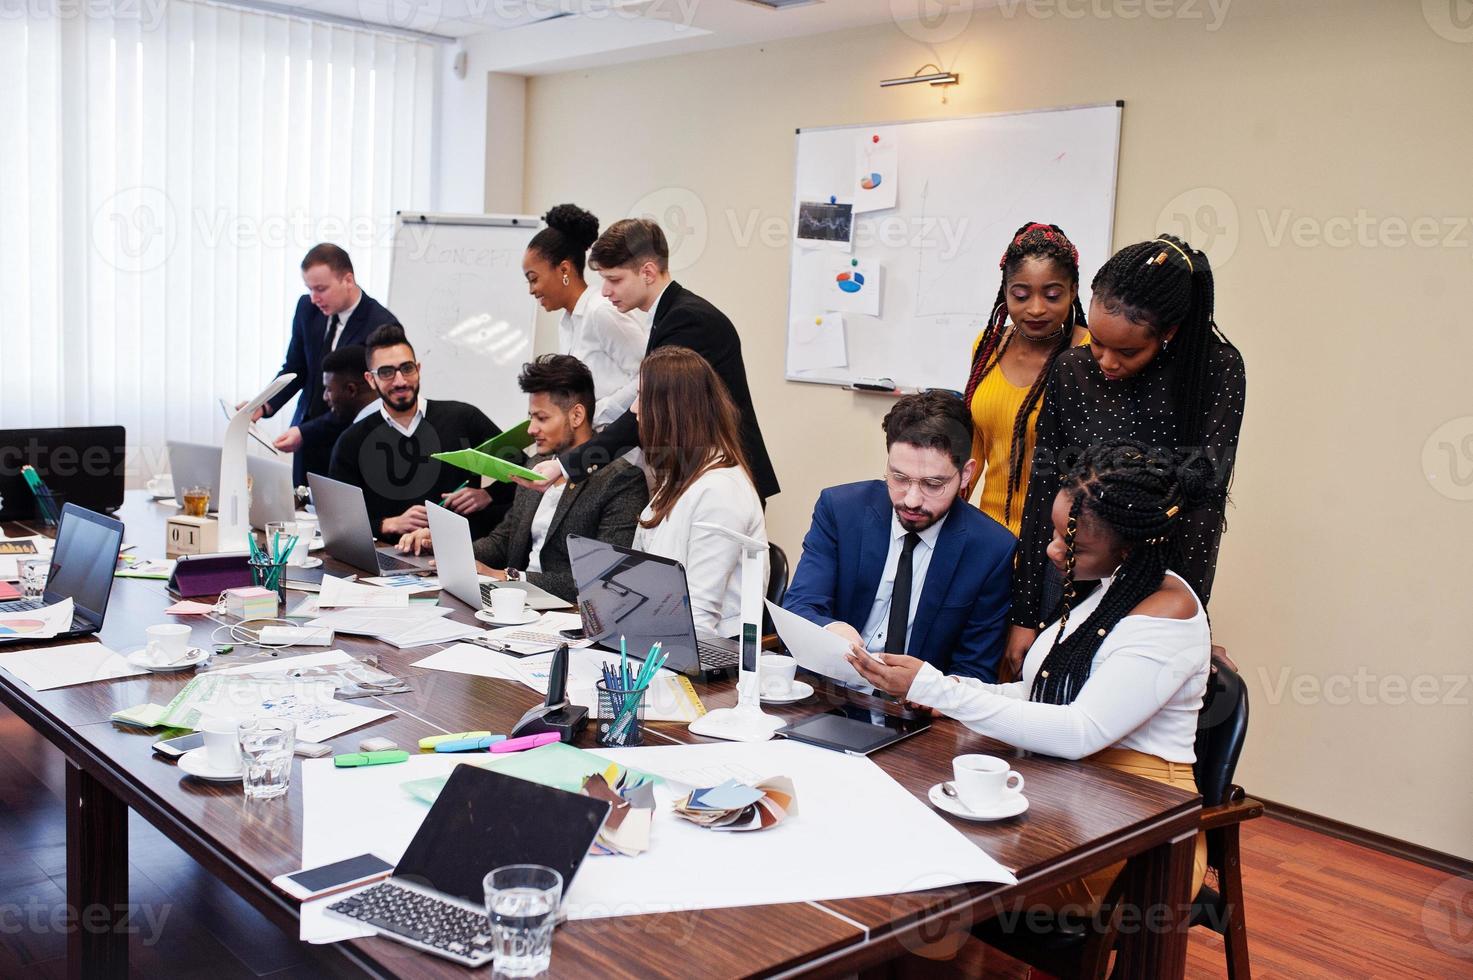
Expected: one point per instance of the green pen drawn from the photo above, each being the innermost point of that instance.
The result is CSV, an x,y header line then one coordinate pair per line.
x,y
462,486
353,759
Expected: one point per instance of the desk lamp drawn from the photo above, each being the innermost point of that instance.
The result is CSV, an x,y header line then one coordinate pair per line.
x,y
235,501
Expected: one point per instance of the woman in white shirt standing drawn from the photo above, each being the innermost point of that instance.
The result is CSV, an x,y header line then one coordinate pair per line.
x,y
609,342
1119,679
691,436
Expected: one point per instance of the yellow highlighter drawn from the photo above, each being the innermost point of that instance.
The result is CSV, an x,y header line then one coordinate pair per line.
x,y
428,744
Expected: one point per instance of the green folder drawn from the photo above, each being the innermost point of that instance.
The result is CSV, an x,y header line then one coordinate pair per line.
x,y
509,444
495,457
557,765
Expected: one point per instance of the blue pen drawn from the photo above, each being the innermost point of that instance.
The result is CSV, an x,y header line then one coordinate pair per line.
x,y
470,744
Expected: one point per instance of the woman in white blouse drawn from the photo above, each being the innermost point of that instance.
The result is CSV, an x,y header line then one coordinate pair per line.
x,y
1119,679
691,436
609,342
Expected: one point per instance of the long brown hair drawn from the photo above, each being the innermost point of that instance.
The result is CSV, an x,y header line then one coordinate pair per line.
x,y
688,424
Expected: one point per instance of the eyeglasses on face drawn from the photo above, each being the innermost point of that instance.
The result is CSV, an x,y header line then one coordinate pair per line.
x,y
409,369
929,486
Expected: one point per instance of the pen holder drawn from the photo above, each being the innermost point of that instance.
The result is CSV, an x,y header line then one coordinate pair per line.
x,y
620,716
269,574
48,506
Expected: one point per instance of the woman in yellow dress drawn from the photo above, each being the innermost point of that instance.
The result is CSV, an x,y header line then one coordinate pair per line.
x,y
1037,317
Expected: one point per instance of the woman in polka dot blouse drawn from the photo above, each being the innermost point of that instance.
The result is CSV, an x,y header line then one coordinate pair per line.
x,y
1156,369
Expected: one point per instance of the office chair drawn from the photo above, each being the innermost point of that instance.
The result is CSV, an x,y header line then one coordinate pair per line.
x,y
1079,951
777,587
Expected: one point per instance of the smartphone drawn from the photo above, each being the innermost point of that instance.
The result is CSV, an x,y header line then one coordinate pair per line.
x,y
573,634
175,747
315,882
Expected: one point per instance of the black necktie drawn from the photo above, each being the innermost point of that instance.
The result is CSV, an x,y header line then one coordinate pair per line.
x,y
900,597
332,332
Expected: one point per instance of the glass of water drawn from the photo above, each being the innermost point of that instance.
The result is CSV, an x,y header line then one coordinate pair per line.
x,y
33,577
266,746
522,902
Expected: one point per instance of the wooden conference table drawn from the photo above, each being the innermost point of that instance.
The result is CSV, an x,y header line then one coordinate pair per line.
x,y
1081,817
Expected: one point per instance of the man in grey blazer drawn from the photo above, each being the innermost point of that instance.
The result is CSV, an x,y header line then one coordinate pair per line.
x,y
531,540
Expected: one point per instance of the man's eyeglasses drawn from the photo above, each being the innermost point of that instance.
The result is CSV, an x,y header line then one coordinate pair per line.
x,y
409,369
929,486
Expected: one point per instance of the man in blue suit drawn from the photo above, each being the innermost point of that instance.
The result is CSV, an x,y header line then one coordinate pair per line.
x,y
903,564
334,313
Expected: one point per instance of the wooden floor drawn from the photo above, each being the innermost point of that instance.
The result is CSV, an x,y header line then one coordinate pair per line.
x,y
1316,906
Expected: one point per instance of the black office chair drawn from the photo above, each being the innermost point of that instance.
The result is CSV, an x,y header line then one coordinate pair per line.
x,y
777,583
1073,950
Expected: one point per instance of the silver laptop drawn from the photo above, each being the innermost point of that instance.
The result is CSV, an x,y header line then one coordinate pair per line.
x,y
347,532
273,497
455,563
644,598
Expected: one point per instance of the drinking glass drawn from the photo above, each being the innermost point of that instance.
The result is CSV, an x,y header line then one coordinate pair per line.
x,y
266,746
522,902
196,501
33,577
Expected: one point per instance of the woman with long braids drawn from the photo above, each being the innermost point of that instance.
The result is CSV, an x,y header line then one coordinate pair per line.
x,y
1036,317
1156,369
1119,677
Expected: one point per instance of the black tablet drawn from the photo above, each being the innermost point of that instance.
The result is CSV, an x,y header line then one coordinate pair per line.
x,y
855,730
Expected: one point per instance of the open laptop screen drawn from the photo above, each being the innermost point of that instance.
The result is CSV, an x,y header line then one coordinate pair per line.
x,y
82,565
638,596
483,820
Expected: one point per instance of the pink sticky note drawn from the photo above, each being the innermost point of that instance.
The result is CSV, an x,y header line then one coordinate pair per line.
x,y
189,608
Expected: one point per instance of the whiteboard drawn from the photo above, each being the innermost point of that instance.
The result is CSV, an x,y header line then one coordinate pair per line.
x,y
929,263
456,284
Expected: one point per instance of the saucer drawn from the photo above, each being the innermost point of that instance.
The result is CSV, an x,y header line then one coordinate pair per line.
x,y
317,545
528,616
800,690
197,764
308,563
1010,805
193,658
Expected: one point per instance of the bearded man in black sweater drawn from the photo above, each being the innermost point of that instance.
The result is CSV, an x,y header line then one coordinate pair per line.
x,y
388,453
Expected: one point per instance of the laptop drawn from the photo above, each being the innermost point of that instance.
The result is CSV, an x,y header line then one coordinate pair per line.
x,y
82,464
482,820
82,565
273,498
347,532
455,563
644,598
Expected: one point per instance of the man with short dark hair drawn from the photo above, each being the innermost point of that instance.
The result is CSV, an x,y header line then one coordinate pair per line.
x,y
348,397
334,313
531,541
633,258
903,564
388,453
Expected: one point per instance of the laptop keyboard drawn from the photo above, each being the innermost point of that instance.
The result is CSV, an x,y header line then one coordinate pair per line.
x,y
715,656
446,929
22,605
388,563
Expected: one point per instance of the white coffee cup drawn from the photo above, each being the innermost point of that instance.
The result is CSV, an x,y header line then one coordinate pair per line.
x,y
167,643
307,530
983,781
777,675
222,743
507,604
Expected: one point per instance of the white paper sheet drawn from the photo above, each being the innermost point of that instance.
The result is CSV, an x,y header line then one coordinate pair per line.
x,y
10,564
319,716
815,648
817,341
389,625
843,802
341,593
876,170
852,285
37,624
47,668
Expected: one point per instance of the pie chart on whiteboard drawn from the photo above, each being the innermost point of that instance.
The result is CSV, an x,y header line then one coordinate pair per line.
x,y
21,627
870,182
850,282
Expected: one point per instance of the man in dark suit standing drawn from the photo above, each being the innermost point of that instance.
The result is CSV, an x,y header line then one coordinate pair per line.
x,y
903,565
334,313
633,258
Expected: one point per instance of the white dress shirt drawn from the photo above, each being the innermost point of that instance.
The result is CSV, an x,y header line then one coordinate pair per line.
x,y
368,410
1144,691
541,521
877,627
611,344
407,430
343,321
713,563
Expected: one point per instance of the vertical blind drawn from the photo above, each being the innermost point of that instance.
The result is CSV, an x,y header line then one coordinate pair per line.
x,y
161,175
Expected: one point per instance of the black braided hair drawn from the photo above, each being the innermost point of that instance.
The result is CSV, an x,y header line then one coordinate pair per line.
x,y
1031,240
569,233
1139,493
1158,284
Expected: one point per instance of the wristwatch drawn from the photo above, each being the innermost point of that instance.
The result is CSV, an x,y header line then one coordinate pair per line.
x,y
513,575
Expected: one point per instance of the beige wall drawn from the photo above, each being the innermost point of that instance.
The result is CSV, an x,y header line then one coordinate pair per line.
x,y
1341,555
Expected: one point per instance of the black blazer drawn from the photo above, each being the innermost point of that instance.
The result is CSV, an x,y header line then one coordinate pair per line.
x,y
683,319
304,359
606,507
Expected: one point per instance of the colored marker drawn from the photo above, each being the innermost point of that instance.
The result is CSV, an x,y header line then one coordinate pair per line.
x,y
470,744
526,742
434,740
354,759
